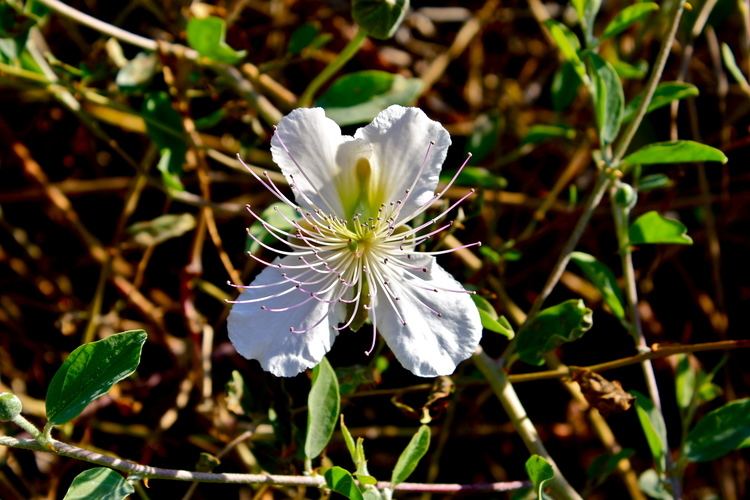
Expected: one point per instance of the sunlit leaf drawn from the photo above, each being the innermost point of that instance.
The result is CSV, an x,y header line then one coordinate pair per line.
x,y
665,93
627,17
723,430
490,319
323,405
358,97
379,18
731,63
90,371
674,152
564,322
653,228
539,471
100,483
609,99
653,427
342,482
164,227
206,35
412,454
603,279
568,44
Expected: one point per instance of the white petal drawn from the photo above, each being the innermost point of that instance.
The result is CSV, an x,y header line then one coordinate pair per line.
x,y
429,345
265,336
400,138
306,139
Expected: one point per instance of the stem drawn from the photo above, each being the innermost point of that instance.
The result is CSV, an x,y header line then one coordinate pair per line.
x,y
620,215
148,472
351,48
661,61
504,391
602,184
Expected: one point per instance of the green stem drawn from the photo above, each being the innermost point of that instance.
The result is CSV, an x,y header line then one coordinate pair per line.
x,y
661,60
351,48
504,391
621,219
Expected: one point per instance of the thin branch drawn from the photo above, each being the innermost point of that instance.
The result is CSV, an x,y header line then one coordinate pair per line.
x,y
146,471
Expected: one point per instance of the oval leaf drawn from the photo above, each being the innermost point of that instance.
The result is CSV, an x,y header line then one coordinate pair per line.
x,y
323,405
358,97
653,427
539,471
723,430
90,371
731,63
340,481
664,94
653,228
564,322
206,35
674,152
609,99
101,483
490,320
568,44
411,455
603,279
627,16
379,18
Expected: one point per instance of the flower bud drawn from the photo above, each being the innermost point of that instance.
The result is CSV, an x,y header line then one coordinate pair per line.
x,y
10,406
625,196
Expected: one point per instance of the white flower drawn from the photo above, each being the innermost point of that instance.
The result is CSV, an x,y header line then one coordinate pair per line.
x,y
351,255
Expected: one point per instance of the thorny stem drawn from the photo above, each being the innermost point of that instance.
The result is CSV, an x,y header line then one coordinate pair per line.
x,y
342,58
148,472
504,391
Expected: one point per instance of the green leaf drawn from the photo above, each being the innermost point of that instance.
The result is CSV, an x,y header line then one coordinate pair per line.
x,y
163,228
609,99
206,35
568,44
305,36
731,63
542,132
628,16
278,215
101,483
14,31
411,455
358,97
90,371
653,485
604,465
164,127
476,177
342,482
379,18
539,471
653,427
684,382
653,228
723,430
564,322
587,11
565,85
483,138
603,279
665,93
630,71
653,181
323,405
674,152
490,319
